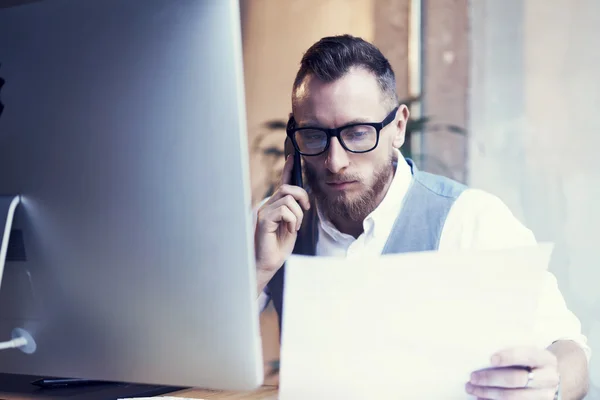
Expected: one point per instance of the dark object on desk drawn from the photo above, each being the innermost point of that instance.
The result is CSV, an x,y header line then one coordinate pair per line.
x,y
21,387
52,383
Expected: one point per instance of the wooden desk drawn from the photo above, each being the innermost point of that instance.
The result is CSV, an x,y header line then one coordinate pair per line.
x,y
265,393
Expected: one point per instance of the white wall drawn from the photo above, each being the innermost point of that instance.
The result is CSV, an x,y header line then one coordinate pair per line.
x,y
535,133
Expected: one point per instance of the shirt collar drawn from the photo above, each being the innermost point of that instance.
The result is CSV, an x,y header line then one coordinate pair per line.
x,y
380,220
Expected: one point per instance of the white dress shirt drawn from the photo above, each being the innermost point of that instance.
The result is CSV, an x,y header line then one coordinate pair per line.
x,y
477,220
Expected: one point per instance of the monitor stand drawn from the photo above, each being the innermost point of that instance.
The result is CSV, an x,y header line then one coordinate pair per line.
x,y
20,386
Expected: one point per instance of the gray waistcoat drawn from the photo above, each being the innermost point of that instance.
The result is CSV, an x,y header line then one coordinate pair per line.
x,y
418,227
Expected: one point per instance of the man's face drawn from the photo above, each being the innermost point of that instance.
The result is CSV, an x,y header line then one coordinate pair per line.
x,y
348,185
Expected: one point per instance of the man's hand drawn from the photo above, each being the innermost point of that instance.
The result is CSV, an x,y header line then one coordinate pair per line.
x,y
278,222
519,373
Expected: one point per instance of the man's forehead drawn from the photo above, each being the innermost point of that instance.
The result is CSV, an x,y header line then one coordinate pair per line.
x,y
355,96
356,80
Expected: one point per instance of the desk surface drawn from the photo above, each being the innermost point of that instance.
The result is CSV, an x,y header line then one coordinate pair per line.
x,y
264,393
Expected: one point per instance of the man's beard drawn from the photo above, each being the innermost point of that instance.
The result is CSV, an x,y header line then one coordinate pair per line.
x,y
339,207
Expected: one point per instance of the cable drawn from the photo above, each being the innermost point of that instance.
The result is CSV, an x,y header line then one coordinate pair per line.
x,y
22,340
14,344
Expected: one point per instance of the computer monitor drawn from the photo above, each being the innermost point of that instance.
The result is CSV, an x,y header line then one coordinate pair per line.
x,y
124,138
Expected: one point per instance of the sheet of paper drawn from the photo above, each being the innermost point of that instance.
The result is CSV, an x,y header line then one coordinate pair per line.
x,y
408,326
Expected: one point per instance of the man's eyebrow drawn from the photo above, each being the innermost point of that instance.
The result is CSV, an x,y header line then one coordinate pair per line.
x,y
311,123
359,121
308,123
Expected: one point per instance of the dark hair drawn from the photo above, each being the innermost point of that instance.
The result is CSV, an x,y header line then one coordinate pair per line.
x,y
331,57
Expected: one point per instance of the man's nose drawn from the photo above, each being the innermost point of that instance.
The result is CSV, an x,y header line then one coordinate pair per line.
x,y
337,157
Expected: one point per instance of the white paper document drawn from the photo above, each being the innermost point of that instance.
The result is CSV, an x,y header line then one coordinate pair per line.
x,y
407,326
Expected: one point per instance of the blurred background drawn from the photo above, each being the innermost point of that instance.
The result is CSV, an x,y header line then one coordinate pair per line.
x,y
504,96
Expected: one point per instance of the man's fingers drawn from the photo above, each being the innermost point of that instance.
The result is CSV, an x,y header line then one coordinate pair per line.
x,y
290,202
287,216
515,378
524,356
286,175
509,378
298,193
500,377
492,393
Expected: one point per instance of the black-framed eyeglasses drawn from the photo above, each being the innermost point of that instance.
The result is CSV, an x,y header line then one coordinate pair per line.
x,y
360,137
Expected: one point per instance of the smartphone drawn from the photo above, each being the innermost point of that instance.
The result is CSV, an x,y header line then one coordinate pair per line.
x,y
297,168
289,149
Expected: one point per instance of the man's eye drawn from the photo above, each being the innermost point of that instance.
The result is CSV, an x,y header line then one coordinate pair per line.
x,y
356,135
313,135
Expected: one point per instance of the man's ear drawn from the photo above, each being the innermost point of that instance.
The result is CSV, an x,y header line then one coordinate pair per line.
x,y
402,115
